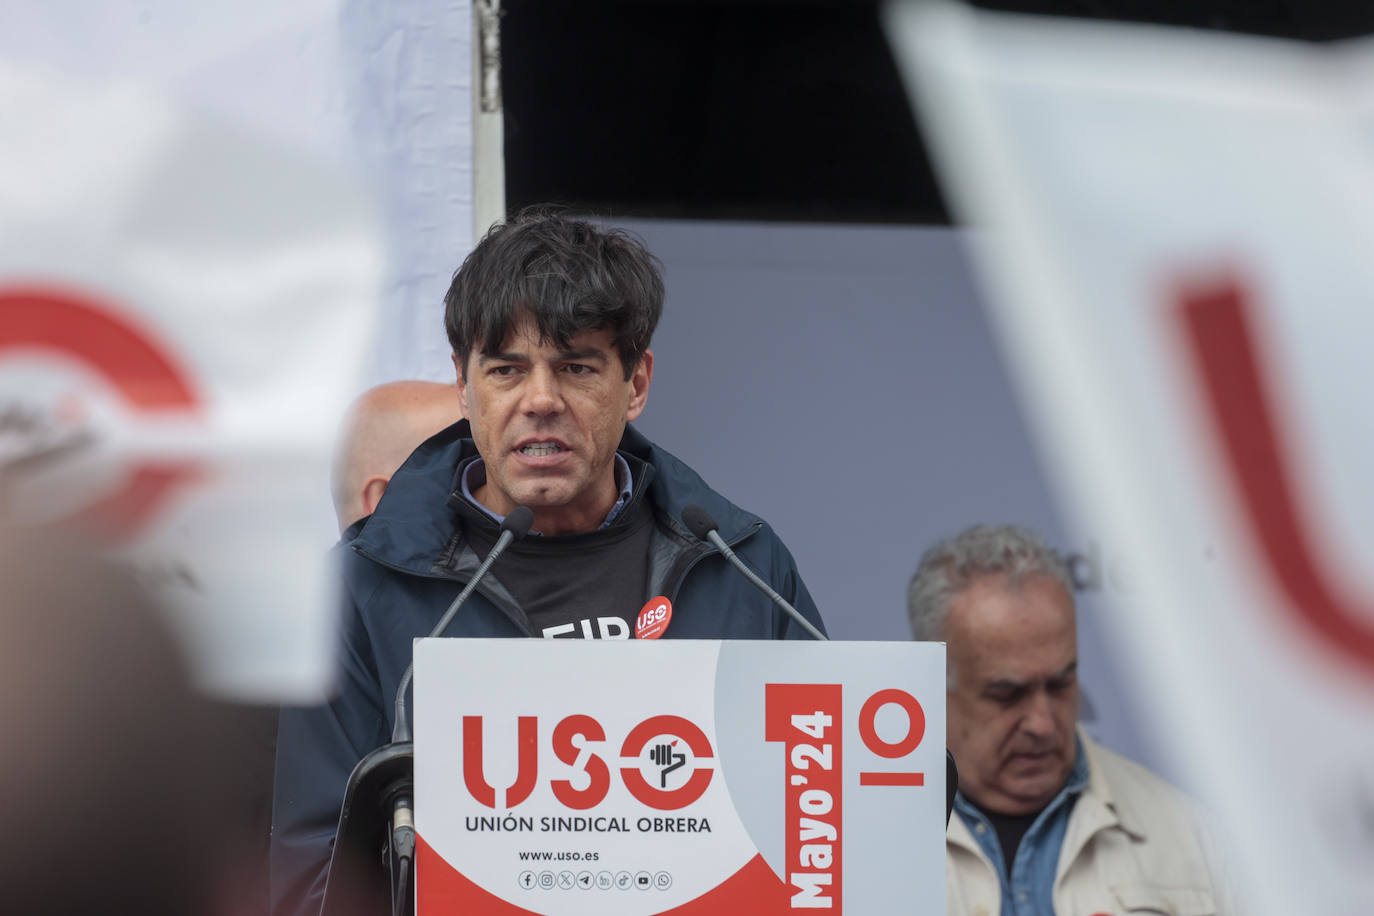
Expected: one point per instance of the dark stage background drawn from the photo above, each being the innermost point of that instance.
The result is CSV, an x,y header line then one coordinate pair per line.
x,y
762,110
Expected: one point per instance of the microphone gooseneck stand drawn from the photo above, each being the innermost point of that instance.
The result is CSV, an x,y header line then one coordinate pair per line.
x,y
704,527
378,800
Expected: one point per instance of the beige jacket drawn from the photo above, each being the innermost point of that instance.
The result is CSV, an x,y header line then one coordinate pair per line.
x,y
1134,844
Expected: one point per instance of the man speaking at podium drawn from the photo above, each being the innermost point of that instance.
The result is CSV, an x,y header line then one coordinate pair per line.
x,y
550,320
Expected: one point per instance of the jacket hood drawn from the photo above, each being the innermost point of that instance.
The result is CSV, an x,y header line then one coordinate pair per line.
x,y
416,521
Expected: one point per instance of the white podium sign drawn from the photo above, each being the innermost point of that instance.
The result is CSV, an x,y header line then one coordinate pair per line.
x,y
694,776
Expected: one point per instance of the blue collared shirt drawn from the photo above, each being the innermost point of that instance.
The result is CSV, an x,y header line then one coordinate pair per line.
x,y
475,475
1030,892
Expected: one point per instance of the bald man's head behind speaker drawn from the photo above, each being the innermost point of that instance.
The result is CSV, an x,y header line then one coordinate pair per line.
x,y
382,427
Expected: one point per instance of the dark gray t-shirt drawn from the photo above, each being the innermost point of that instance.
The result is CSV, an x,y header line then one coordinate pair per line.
x,y
582,586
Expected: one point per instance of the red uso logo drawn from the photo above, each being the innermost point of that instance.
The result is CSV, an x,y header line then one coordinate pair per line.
x,y
687,744
653,618
64,327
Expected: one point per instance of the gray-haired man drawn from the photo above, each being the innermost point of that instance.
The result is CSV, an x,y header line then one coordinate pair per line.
x,y
1048,821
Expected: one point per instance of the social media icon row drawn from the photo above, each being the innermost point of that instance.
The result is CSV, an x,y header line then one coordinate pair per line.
x,y
621,880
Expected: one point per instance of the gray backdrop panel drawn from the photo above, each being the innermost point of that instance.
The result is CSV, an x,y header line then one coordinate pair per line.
x,y
842,382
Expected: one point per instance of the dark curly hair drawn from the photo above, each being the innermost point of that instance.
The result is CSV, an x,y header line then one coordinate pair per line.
x,y
569,275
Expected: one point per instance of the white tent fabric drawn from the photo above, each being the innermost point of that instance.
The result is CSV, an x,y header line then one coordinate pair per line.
x,y
302,97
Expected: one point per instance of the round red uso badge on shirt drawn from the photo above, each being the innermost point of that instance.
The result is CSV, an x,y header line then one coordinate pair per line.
x,y
653,619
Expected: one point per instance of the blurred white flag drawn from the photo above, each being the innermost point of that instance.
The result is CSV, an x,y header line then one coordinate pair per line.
x,y
184,311
1178,236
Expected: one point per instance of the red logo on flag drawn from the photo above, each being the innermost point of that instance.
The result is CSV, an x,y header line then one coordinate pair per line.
x,y
64,328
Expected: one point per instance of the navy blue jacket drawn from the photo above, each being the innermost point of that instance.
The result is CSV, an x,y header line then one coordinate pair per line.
x,y
409,560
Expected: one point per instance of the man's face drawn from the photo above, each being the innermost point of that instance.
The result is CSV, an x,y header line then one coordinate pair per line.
x,y
547,422
1013,699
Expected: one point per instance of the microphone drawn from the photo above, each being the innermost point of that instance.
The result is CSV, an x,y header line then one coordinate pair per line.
x,y
701,524
513,527
398,796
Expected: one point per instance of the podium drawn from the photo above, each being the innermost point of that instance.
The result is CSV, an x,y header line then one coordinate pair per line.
x,y
642,777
